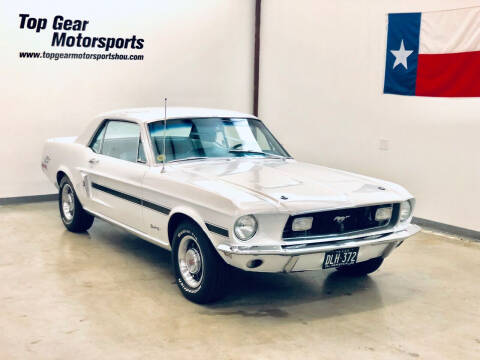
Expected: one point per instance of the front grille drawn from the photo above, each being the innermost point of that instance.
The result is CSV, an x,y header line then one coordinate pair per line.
x,y
342,222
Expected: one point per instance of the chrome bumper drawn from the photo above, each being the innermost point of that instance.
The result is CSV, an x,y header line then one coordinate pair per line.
x,y
280,257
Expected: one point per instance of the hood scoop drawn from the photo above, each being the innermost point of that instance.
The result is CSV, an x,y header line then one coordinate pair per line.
x,y
267,179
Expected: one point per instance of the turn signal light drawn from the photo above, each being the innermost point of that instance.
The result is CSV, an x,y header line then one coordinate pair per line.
x,y
302,224
383,213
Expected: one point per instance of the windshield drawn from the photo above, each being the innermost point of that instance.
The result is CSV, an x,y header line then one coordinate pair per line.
x,y
213,138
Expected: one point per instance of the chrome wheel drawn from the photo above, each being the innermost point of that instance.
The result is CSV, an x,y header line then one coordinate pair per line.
x,y
68,202
190,261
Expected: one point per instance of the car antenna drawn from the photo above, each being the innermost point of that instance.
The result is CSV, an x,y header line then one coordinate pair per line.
x,y
164,136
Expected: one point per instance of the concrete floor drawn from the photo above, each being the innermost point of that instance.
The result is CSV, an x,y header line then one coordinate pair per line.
x,y
109,295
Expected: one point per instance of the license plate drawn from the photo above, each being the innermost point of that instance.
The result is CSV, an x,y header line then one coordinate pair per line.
x,y
341,257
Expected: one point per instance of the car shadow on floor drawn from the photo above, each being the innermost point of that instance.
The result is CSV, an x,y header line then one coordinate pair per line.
x,y
327,293
103,234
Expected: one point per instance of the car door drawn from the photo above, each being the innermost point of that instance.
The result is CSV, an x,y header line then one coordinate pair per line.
x,y
116,169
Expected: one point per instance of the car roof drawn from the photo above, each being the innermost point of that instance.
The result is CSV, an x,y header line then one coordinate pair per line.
x,y
148,114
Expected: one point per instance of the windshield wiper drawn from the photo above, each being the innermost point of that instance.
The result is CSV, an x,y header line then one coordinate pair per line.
x,y
189,158
255,152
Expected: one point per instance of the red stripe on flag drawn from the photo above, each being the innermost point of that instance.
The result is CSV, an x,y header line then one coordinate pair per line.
x,y
448,75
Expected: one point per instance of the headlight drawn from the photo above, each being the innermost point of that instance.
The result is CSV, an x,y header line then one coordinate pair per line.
x,y
245,227
405,211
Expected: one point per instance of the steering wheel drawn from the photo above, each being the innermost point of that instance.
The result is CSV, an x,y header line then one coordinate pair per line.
x,y
236,146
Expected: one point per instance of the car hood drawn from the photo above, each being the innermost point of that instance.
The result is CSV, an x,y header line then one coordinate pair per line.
x,y
289,185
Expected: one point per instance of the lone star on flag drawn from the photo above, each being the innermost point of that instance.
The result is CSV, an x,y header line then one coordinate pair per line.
x,y
401,56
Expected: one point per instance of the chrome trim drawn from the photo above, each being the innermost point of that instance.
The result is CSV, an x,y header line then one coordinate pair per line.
x,y
155,163
68,203
392,225
191,158
190,261
412,207
225,158
95,133
290,264
346,236
147,145
140,234
286,250
341,207
105,122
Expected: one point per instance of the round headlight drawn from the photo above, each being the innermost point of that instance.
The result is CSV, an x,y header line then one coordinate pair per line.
x,y
405,211
245,227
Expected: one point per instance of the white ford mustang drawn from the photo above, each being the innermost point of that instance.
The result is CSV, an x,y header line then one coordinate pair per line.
x,y
217,189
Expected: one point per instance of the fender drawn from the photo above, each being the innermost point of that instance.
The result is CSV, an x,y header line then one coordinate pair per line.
x,y
64,169
76,182
194,215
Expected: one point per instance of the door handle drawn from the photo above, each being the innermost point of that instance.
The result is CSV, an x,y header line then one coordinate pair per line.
x,y
93,161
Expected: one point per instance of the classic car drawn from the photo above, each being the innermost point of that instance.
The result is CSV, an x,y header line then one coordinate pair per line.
x,y
217,189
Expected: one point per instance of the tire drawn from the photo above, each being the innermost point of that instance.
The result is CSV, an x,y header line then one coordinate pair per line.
x,y
363,268
200,272
74,217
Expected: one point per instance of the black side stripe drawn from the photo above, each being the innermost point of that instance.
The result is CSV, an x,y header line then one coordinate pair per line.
x,y
156,207
213,228
117,194
217,230
132,199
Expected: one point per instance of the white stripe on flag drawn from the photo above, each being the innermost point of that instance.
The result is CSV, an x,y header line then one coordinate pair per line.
x,y
450,31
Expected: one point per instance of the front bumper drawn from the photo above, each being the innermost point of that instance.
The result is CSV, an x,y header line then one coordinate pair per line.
x,y
290,258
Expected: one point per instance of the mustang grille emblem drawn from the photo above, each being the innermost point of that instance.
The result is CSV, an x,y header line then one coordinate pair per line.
x,y
340,219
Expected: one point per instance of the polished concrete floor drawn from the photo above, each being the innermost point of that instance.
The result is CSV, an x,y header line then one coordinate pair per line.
x,y
106,294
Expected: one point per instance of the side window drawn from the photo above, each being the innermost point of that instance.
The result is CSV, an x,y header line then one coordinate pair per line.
x,y
96,143
121,140
141,153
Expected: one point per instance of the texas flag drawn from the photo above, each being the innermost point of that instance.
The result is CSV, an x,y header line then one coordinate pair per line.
x,y
434,53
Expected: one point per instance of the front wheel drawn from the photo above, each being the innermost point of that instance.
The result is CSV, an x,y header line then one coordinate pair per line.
x,y
200,272
361,268
74,217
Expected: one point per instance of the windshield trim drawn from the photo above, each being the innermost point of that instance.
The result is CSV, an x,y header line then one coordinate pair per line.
x,y
256,156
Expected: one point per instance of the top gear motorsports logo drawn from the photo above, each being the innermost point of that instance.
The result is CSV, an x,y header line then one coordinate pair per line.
x,y
61,38
81,56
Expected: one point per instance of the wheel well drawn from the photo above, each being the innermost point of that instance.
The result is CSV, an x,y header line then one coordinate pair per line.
x,y
174,221
60,176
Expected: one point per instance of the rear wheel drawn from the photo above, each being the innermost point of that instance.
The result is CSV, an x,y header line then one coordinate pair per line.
x,y
200,272
74,217
361,268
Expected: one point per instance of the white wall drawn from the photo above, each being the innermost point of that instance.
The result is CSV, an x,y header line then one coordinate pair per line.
x,y
198,53
321,78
